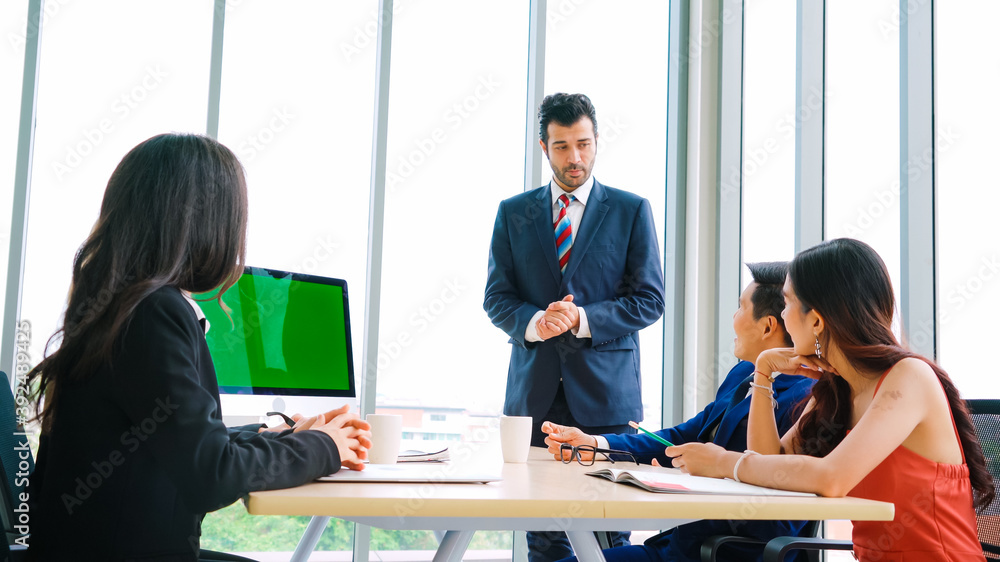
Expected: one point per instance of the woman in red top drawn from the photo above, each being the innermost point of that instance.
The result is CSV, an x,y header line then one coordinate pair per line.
x,y
882,422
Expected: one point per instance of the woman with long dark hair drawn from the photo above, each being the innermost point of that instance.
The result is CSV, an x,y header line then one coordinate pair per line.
x,y
133,451
881,423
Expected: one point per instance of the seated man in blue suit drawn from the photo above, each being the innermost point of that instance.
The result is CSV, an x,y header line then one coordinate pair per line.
x,y
758,327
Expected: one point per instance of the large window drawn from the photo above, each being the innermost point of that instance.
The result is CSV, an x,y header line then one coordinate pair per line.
x,y
770,117
862,126
111,75
455,149
619,59
968,252
297,109
15,32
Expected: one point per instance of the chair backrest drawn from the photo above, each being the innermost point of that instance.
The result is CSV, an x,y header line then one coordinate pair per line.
x,y
986,418
13,468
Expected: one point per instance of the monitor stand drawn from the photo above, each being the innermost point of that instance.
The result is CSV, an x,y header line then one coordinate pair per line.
x,y
242,409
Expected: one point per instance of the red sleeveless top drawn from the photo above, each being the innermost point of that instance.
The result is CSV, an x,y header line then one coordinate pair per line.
x,y
934,520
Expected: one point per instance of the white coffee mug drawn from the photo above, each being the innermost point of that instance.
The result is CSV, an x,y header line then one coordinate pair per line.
x,y
387,433
515,438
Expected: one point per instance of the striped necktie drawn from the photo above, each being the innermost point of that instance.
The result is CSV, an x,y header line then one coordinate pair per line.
x,y
564,232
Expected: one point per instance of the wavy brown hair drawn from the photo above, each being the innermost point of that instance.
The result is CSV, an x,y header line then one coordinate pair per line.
x,y
174,214
847,283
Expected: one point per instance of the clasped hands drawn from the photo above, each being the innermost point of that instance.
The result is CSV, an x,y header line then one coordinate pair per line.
x,y
559,318
349,432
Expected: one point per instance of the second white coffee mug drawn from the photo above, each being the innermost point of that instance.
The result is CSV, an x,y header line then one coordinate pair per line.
x,y
515,438
387,433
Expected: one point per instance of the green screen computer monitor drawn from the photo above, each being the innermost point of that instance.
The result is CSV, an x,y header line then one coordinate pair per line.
x,y
290,335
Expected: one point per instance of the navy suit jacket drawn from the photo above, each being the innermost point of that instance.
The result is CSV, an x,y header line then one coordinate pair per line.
x,y
684,542
614,272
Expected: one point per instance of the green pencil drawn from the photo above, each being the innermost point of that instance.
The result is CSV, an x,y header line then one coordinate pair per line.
x,y
651,434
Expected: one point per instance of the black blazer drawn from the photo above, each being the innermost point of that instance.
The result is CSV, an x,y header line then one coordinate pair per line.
x,y
138,452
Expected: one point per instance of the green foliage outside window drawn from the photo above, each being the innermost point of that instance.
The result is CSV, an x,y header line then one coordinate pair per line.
x,y
232,529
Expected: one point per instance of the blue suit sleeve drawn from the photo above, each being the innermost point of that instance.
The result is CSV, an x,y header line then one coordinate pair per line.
x,y
644,448
503,303
640,296
790,402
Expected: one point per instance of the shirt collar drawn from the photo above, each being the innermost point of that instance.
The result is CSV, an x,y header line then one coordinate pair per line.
x,y
197,311
581,193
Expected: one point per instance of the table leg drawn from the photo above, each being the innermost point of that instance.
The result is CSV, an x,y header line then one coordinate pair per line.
x,y
307,544
585,546
453,546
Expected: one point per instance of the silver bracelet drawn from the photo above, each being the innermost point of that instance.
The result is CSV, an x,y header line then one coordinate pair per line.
x,y
770,391
736,467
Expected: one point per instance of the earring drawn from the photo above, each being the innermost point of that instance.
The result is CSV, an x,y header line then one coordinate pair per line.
x,y
819,352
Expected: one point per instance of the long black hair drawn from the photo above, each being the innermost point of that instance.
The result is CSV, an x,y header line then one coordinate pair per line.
x,y
174,213
846,282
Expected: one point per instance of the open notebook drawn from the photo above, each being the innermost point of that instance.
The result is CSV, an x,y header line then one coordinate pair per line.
x,y
673,481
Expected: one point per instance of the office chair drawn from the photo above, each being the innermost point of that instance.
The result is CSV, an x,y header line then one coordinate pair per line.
x,y
9,467
782,545
986,419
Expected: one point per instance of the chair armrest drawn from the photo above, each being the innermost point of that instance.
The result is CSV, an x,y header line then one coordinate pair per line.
x,y
18,553
710,548
776,549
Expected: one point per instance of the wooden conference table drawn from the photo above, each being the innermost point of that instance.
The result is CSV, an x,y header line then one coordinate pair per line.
x,y
540,495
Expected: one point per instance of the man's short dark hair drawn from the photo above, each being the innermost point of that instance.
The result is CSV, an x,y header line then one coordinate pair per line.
x,y
565,110
768,299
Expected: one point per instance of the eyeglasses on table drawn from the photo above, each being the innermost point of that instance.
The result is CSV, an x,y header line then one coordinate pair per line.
x,y
587,454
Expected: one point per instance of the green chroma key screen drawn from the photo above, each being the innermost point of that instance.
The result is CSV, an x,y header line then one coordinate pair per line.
x,y
290,334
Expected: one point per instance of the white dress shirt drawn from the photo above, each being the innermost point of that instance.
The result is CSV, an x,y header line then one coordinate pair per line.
x,y
197,311
575,213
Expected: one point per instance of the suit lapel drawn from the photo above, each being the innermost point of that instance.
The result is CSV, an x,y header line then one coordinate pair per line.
x,y
730,421
712,422
593,216
742,409
546,231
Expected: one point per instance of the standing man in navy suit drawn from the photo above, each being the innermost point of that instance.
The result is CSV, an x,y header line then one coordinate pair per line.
x,y
574,274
